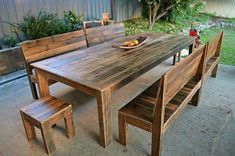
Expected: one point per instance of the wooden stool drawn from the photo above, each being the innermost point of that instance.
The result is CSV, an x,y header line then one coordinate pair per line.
x,y
44,113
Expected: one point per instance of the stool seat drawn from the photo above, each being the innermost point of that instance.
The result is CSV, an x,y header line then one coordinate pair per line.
x,y
44,113
44,109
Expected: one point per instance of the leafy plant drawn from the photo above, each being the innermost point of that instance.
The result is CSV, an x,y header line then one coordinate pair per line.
x,y
45,24
185,11
34,27
73,20
9,41
60,26
158,9
135,26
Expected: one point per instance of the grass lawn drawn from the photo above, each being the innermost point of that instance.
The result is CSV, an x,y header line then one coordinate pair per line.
x,y
228,47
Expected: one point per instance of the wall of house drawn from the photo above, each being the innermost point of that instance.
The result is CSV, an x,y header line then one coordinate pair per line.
x,y
14,10
224,8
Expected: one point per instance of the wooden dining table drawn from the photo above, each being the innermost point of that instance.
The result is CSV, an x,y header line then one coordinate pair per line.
x,y
102,69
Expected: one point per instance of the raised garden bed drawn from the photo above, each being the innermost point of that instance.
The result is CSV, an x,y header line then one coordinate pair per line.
x,y
11,60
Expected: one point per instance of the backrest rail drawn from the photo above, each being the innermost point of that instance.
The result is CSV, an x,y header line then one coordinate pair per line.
x,y
101,34
35,50
214,46
176,78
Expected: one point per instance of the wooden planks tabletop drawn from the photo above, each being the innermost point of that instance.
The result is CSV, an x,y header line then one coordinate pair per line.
x,y
103,66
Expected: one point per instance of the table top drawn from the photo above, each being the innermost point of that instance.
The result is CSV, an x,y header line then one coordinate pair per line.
x,y
103,67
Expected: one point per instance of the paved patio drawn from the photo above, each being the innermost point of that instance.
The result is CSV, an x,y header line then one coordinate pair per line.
x,y
206,130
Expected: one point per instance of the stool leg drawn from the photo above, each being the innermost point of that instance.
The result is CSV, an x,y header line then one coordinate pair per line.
x,y
70,130
29,128
47,138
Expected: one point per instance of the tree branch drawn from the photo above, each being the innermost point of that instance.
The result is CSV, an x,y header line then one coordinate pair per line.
x,y
155,10
163,13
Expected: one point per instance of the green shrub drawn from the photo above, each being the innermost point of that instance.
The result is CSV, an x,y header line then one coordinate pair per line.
x,y
135,26
185,11
45,24
9,41
34,27
72,20
60,26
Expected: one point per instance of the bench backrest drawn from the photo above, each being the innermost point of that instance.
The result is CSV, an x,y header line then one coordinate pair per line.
x,y
214,46
172,83
101,34
191,67
92,24
39,49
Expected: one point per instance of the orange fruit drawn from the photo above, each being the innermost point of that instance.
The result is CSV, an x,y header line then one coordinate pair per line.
x,y
130,44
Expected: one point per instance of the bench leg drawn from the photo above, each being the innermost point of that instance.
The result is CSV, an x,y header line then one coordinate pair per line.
x,y
214,71
156,143
70,130
179,56
174,59
122,128
29,129
196,98
31,84
47,138
34,90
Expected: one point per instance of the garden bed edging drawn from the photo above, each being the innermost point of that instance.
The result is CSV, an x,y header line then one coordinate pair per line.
x,y
11,60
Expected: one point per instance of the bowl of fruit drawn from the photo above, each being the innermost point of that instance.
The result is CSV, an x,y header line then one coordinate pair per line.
x,y
132,43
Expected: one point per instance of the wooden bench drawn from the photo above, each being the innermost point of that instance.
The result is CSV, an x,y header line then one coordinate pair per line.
x,y
102,34
155,109
39,49
213,55
43,114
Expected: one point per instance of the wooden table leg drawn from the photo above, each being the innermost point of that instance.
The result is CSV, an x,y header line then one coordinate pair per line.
x,y
43,85
104,116
191,47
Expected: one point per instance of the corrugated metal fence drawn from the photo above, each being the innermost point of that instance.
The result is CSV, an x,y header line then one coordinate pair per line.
x,y
14,10
126,9
224,8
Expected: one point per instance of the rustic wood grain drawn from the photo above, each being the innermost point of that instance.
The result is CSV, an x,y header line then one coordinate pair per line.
x,y
39,49
43,84
104,117
43,114
92,24
103,66
104,33
174,91
35,50
213,55
101,69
